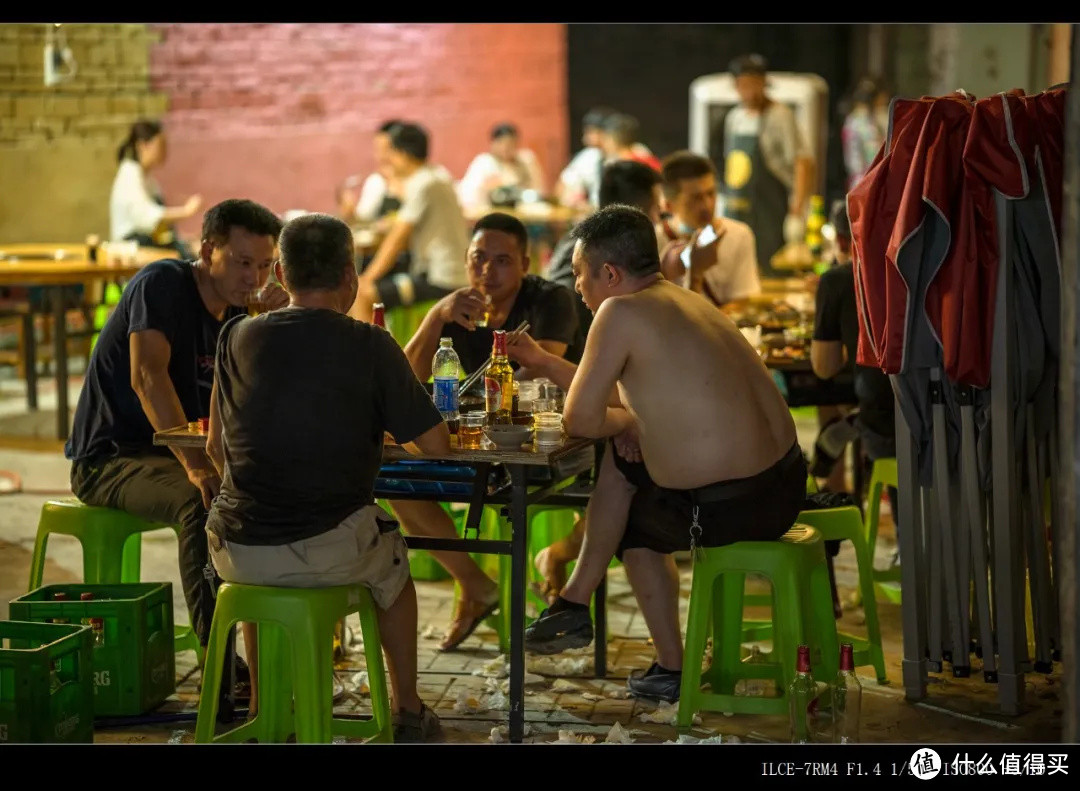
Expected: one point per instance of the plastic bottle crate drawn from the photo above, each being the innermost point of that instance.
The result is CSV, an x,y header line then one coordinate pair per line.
x,y
30,710
135,668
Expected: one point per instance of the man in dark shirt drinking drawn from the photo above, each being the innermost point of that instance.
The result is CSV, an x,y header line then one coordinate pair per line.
x,y
497,266
152,369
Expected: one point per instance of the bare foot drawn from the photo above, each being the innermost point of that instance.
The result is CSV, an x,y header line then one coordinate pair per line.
x,y
553,570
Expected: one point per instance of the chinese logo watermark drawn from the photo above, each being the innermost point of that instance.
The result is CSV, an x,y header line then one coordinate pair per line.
x,y
925,764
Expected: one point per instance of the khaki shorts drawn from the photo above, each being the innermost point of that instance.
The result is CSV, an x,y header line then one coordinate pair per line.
x,y
360,550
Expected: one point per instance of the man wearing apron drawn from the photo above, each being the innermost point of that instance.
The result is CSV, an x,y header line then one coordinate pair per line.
x,y
767,168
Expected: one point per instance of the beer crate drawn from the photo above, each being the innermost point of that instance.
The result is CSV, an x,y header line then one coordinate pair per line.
x,y
134,669
46,683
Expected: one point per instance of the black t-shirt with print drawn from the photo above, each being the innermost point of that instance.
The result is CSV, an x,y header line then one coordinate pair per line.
x,y
109,420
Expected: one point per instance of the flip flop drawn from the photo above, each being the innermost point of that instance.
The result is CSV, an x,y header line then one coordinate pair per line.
x,y
488,612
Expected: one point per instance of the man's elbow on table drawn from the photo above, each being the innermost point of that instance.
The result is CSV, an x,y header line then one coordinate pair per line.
x,y
578,425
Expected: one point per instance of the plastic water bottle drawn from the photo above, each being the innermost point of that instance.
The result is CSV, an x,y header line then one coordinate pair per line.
x,y
446,369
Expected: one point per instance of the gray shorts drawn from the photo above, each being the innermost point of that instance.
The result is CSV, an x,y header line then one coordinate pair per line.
x,y
357,551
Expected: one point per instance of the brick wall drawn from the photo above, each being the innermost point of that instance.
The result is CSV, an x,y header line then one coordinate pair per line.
x,y
279,113
58,144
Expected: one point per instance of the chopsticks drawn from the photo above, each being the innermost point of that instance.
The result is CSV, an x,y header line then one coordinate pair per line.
x,y
472,378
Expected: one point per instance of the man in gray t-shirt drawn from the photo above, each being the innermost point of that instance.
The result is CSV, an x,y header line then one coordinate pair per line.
x,y
430,225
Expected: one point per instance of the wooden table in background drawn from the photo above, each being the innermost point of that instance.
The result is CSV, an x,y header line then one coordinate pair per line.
x,y
528,213
53,266
570,462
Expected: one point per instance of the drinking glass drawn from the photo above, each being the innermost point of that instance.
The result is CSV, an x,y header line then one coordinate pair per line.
x,y
483,318
471,430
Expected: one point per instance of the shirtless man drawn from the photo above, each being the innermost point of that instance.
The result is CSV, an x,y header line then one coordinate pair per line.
x,y
698,427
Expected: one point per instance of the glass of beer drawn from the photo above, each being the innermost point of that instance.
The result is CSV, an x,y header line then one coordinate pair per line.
x,y
471,430
256,303
483,318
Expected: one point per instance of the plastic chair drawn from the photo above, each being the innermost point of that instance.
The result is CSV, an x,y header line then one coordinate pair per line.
x,y
404,320
802,613
845,523
296,628
882,474
112,548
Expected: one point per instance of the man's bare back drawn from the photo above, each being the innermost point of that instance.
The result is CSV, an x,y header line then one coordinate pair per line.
x,y
705,406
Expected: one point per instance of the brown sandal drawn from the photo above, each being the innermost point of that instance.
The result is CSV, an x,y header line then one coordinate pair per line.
x,y
475,621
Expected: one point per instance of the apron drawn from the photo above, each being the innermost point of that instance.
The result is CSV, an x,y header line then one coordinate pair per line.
x,y
755,196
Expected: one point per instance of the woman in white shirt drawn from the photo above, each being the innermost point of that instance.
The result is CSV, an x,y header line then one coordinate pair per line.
x,y
504,165
137,210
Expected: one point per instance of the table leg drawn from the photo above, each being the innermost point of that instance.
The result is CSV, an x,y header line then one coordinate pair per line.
x,y
600,633
518,544
30,361
60,361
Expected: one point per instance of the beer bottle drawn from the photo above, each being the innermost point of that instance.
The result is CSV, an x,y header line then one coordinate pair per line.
x,y
499,383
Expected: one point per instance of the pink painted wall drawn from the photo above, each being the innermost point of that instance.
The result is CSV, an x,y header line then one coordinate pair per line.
x,y
280,113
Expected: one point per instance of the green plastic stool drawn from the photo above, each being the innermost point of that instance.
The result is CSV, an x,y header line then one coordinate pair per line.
x,y
296,628
845,523
802,611
112,549
404,320
882,474
839,524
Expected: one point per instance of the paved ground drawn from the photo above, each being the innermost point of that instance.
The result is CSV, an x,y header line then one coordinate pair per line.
x,y
464,686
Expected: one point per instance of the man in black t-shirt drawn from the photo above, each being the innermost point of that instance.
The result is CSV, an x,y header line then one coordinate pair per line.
x,y
303,397
497,264
835,342
152,369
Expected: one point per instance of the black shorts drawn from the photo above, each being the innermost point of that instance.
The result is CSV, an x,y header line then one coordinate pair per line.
x,y
760,508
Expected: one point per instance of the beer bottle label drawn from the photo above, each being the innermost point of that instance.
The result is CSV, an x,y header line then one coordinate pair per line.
x,y
492,394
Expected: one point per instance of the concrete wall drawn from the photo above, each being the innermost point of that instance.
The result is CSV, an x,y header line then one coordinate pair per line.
x,y
988,58
980,58
279,113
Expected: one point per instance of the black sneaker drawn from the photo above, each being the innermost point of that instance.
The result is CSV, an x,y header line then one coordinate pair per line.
x,y
556,632
656,683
